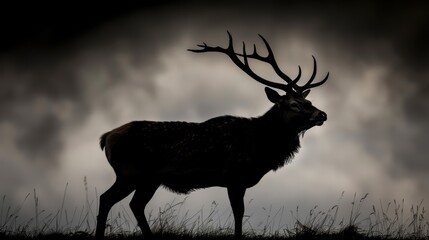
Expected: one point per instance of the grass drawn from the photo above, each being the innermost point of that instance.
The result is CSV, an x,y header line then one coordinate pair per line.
x,y
173,221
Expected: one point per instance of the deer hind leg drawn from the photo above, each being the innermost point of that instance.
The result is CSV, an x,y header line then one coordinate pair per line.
x,y
236,195
140,199
118,191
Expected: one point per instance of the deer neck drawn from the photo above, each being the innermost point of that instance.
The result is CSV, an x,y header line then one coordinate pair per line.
x,y
278,140
272,125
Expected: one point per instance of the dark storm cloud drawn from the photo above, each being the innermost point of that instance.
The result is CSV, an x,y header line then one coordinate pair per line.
x,y
43,60
33,89
404,30
43,55
410,147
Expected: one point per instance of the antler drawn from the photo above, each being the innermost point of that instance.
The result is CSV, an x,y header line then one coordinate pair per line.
x,y
270,59
243,65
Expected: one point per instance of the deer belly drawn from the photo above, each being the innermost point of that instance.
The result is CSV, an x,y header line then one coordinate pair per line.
x,y
185,182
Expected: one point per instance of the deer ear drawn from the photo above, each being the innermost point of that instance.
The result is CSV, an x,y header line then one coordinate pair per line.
x,y
305,94
272,95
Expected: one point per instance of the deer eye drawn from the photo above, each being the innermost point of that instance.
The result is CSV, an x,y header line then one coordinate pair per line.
x,y
295,107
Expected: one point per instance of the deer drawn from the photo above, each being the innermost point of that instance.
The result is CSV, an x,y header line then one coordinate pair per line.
x,y
225,151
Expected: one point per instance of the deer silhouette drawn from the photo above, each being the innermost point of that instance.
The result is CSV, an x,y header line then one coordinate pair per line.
x,y
226,151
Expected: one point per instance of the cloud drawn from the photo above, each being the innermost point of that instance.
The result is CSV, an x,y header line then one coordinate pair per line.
x,y
56,99
36,101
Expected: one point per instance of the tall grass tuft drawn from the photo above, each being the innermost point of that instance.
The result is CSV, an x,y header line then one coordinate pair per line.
x,y
391,221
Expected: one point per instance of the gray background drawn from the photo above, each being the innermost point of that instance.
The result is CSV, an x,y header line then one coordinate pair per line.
x,y
70,74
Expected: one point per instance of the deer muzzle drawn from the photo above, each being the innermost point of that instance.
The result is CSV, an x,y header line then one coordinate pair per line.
x,y
319,117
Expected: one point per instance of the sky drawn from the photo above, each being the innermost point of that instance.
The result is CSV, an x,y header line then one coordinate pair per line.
x,y
70,74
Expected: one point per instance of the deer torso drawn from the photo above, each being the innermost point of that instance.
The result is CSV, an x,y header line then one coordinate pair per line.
x,y
185,156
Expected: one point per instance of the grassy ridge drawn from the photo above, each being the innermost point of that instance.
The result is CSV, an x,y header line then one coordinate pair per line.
x,y
392,221
348,233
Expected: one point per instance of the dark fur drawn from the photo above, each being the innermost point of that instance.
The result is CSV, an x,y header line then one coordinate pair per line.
x,y
183,156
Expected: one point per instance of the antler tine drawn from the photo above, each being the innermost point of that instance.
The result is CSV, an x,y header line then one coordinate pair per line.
x,y
246,68
319,83
242,65
308,85
270,59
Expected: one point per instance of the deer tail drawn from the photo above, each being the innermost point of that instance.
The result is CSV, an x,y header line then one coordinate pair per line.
x,y
103,140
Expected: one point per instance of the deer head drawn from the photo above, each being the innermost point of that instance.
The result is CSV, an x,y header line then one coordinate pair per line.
x,y
294,109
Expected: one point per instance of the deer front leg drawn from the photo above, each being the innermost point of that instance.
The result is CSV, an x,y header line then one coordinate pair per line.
x,y
236,195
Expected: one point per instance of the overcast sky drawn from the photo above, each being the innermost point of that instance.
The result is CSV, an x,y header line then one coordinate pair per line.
x,y
67,76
